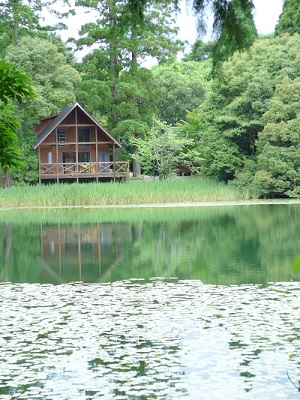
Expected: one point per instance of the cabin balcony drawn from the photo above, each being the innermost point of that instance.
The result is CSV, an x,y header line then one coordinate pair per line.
x,y
93,170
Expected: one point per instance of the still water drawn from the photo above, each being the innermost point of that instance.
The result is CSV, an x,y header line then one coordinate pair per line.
x,y
158,303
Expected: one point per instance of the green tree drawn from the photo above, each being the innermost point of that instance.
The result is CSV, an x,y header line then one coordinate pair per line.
x,y
289,19
115,66
94,91
20,18
200,51
278,160
183,88
231,116
54,86
14,85
165,149
277,170
122,44
237,30
54,79
107,34
133,109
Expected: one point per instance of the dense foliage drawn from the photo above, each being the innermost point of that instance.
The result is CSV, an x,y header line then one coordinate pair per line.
x,y
14,86
289,21
248,122
54,80
183,88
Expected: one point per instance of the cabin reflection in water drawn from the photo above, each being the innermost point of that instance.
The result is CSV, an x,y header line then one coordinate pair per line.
x,y
79,253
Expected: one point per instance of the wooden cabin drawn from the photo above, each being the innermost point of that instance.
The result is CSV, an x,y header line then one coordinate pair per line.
x,y
73,147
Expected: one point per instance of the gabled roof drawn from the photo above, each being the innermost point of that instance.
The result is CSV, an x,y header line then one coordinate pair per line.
x,y
61,116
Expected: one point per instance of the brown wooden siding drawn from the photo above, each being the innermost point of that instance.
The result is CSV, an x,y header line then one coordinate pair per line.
x,y
74,159
58,157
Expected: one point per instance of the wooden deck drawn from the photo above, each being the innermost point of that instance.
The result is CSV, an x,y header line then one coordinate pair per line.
x,y
88,170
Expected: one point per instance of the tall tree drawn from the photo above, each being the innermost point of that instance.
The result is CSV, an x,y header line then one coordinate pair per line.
x,y
21,18
235,111
183,88
54,79
14,85
276,171
235,30
54,86
134,108
123,44
115,65
289,19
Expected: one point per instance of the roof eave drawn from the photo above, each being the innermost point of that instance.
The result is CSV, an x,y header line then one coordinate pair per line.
x,y
59,117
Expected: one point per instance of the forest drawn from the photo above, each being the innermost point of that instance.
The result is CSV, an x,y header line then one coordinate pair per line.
x,y
228,110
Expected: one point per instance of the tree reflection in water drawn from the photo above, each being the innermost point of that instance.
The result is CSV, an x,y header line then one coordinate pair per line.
x,y
217,245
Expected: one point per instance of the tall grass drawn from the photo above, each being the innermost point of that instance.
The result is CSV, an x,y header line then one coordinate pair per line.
x,y
108,194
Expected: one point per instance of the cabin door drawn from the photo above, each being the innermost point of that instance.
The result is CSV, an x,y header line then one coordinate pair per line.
x,y
69,162
103,158
69,157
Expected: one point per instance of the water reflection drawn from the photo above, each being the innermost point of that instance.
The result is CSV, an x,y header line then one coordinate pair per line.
x,y
80,253
218,245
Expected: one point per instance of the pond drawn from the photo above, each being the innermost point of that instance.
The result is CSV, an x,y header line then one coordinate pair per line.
x,y
150,303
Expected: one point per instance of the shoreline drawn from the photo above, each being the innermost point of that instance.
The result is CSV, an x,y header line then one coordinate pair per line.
x,y
163,205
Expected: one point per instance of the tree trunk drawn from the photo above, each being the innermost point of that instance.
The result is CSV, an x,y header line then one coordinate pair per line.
x,y
136,168
16,20
136,165
112,48
8,180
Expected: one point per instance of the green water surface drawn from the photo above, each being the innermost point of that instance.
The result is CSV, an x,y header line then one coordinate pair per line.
x,y
217,245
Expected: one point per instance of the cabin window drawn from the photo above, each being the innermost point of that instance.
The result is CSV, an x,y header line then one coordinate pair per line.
x,y
49,157
83,135
84,156
61,137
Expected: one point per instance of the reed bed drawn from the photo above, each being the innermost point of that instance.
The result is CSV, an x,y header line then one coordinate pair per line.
x,y
113,194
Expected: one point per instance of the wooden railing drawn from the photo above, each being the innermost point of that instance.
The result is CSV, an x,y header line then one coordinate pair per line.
x,y
119,168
